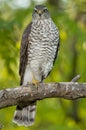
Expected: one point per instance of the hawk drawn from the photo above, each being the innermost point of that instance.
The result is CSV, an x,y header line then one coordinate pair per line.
x,y
39,48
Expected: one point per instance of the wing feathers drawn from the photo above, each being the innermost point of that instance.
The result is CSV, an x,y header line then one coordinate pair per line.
x,y
23,52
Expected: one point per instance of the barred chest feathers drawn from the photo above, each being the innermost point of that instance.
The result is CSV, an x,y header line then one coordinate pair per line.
x,y
43,40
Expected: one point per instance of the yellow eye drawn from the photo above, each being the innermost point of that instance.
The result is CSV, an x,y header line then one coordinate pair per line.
x,y
45,10
35,10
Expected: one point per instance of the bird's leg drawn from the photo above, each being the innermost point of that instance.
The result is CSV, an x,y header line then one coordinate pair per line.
x,y
35,81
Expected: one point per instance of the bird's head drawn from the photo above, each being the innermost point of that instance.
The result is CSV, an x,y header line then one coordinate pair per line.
x,y
40,12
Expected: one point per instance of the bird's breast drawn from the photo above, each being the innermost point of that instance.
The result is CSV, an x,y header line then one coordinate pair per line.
x,y
43,41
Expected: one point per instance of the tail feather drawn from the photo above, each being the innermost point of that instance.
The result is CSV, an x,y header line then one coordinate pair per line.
x,y
25,116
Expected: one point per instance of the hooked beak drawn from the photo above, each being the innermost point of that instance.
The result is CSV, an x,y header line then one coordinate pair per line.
x,y
39,12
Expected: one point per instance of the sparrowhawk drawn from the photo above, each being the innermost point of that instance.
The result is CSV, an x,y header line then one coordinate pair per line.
x,y
39,48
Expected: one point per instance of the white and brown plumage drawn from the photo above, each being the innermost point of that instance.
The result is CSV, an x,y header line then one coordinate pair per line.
x,y
39,47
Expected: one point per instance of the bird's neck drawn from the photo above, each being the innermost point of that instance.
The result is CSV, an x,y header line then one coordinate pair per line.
x,y
36,21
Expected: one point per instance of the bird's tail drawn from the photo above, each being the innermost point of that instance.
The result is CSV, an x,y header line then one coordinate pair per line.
x,y
25,116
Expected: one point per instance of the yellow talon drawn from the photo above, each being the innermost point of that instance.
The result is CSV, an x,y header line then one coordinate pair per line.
x,y
35,82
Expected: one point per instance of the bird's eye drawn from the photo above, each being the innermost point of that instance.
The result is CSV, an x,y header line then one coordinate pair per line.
x,y
35,10
45,10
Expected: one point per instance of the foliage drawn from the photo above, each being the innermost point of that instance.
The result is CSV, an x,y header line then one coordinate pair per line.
x,y
70,17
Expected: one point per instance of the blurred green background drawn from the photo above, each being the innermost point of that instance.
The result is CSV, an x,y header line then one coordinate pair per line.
x,y
70,17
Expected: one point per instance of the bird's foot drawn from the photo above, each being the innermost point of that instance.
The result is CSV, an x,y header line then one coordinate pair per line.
x,y
35,82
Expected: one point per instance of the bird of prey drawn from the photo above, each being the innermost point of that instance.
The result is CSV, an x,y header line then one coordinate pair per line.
x,y
39,48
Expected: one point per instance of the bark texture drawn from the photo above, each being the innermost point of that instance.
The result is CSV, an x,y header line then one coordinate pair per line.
x,y
26,94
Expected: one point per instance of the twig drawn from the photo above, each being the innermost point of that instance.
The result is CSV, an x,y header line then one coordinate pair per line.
x,y
75,78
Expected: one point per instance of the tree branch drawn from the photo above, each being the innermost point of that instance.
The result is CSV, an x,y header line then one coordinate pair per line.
x,y
29,93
